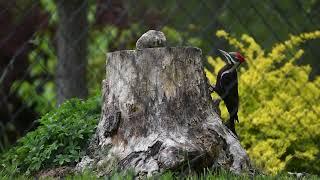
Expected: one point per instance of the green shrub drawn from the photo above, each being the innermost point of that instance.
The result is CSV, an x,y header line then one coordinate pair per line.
x,y
59,140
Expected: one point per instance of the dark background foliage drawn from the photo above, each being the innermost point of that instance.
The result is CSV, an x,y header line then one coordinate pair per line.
x,y
38,37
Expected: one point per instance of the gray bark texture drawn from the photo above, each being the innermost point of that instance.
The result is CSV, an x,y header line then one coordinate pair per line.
x,y
72,49
158,115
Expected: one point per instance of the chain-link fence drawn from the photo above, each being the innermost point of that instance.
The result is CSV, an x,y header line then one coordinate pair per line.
x,y
53,50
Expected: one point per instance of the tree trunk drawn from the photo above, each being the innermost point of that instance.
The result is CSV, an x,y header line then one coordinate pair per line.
x,y
158,115
72,49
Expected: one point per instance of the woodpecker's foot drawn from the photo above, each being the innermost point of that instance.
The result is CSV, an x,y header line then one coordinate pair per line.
x,y
216,102
212,88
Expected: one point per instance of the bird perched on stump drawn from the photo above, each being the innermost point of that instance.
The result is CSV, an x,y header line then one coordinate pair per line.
x,y
227,85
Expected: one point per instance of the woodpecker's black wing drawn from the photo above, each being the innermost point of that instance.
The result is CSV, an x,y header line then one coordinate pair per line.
x,y
227,88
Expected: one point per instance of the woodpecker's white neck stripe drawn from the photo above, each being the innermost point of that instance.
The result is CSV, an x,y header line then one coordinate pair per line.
x,y
233,68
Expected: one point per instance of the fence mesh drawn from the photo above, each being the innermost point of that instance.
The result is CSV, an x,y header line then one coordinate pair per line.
x,y
29,42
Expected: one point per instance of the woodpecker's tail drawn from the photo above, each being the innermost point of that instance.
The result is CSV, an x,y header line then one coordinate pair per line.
x,y
231,123
236,118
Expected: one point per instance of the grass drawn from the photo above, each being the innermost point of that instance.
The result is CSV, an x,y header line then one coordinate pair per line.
x,y
206,175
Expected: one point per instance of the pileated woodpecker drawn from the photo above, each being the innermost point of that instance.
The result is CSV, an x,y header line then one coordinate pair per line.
x,y
227,86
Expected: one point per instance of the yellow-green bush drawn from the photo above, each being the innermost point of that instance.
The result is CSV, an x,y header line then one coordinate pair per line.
x,y
279,105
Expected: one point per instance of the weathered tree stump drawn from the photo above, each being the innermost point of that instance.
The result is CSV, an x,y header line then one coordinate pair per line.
x,y
158,115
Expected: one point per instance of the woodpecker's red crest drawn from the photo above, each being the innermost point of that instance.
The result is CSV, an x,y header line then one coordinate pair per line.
x,y
239,57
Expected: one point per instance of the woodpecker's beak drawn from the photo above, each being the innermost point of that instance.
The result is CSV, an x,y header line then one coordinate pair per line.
x,y
227,58
222,51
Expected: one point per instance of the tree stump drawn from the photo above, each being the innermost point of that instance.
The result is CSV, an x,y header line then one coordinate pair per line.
x,y
158,115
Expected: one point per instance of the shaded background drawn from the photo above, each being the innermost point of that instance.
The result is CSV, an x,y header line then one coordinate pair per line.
x,y
55,50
